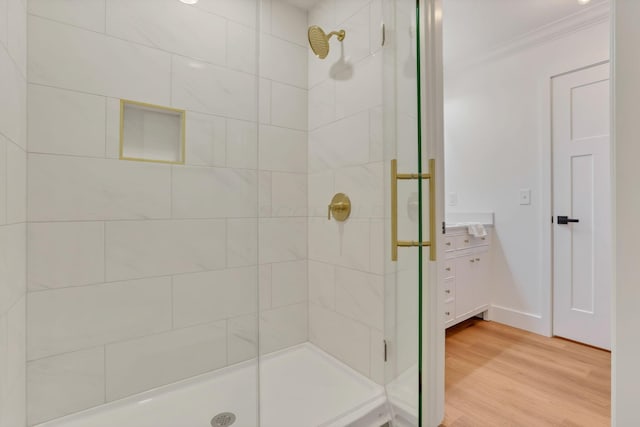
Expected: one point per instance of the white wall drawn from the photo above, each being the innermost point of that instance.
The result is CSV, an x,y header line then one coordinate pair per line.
x,y
13,145
346,282
626,345
497,141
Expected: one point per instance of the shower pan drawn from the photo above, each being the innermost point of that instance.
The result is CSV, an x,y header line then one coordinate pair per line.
x,y
182,268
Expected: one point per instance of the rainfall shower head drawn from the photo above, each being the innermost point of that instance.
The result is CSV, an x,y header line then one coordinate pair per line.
x,y
319,40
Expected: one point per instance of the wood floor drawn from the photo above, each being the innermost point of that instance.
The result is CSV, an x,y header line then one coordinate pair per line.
x,y
500,376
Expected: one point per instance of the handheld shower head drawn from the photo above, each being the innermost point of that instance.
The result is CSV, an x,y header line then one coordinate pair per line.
x,y
319,40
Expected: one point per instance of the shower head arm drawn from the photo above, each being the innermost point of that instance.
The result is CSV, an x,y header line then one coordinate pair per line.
x,y
339,34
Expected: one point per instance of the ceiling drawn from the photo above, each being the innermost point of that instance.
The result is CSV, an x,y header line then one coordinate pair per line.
x,y
474,26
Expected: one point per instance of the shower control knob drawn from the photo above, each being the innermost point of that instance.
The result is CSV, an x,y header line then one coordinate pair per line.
x,y
340,207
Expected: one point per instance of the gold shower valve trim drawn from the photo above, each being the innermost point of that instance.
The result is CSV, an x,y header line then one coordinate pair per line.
x,y
340,207
319,40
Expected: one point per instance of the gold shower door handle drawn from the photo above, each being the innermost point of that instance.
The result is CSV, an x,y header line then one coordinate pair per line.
x,y
395,177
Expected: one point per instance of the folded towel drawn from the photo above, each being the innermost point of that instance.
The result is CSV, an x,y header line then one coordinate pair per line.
x,y
477,230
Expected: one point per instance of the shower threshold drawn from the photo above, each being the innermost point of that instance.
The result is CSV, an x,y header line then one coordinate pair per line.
x,y
301,386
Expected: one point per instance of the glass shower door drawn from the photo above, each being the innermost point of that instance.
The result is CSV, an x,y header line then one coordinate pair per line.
x,y
410,223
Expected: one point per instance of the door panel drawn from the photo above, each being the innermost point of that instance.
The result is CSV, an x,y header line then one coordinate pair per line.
x,y
581,166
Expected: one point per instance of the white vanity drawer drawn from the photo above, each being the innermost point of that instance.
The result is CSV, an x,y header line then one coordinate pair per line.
x,y
449,243
448,269
463,241
449,311
449,290
480,241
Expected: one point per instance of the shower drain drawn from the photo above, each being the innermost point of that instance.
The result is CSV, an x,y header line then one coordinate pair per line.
x,y
224,419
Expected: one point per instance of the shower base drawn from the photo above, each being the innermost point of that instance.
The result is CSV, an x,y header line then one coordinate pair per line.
x,y
300,387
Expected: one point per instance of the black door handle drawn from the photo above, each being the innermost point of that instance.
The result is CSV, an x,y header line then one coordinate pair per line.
x,y
566,220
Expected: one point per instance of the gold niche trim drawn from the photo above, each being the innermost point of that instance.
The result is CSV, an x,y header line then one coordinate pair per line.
x,y
183,132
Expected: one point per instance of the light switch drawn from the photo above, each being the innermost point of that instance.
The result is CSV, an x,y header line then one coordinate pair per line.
x,y
452,199
525,196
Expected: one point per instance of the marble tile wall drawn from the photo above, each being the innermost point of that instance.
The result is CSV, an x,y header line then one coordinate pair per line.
x,y
13,164
282,176
346,272
143,274
130,264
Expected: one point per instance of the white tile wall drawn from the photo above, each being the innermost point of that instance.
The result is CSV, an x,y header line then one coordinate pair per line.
x,y
242,244
206,140
289,283
242,338
289,23
241,11
163,247
64,384
193,234
360,296
205,192
322,284
213,89
16,184
12,392
282,149
288,194
12,213
3,179
65,122
69,319
242,144
13,105
76,188
345,153
288,106
282,239
214,295
339,144
162,23
121,252
346,339
12,265
4,22
246,58
65,254
283,327
141,364
71,58
283,61
17,29
89,14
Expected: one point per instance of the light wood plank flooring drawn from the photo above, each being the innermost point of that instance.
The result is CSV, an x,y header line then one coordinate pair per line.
x,y
500,376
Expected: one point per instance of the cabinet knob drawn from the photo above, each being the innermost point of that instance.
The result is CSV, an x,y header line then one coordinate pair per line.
x,y
466,240
447,313
448,243
472,260
448,291
478,259
448,269
484,238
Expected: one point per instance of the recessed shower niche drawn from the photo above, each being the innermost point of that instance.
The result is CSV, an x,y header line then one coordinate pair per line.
x,y
151,133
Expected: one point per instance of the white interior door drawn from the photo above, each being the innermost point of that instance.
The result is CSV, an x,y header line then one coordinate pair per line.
x,y
582,194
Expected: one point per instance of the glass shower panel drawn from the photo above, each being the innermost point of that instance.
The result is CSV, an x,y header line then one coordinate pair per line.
x,y
143,212
404,203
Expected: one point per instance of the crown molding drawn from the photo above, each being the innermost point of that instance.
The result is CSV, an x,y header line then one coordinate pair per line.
x,y
589,17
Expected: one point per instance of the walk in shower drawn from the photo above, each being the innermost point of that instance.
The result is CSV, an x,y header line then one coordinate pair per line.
x,y
210,219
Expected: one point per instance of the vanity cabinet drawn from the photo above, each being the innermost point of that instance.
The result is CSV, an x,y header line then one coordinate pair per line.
x,y
466,282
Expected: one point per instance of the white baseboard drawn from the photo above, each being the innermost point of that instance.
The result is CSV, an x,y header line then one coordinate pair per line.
x,y
519,319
